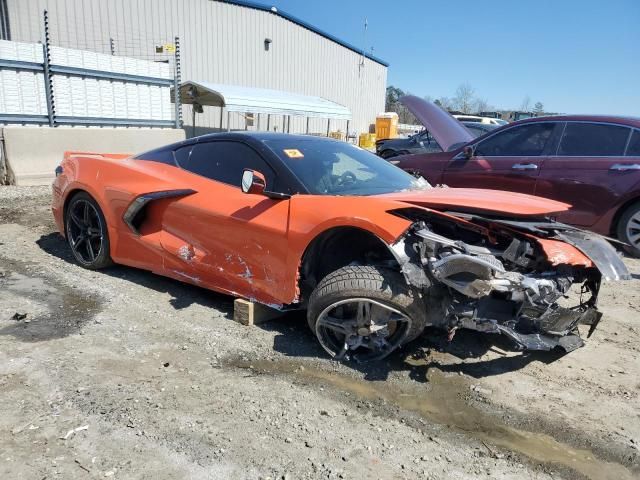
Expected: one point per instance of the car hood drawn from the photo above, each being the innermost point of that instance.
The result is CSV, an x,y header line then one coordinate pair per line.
x,y
479,200
445,129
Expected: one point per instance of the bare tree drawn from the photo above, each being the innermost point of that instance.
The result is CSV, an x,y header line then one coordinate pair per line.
x,y
464,98
482,105
526,104
538,108
444,102
405,116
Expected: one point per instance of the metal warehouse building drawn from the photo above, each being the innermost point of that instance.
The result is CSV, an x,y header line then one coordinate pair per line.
x,y
234,43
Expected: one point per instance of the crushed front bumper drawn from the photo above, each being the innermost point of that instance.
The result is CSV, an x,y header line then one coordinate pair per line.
x,y
510,285
555,329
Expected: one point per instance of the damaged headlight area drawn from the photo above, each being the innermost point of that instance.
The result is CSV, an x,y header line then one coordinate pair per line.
x,y
495,276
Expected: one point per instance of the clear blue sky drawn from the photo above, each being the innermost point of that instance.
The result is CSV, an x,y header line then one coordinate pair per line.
x,y
574,56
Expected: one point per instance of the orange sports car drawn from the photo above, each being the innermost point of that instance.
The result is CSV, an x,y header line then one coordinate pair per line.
x,y
373,254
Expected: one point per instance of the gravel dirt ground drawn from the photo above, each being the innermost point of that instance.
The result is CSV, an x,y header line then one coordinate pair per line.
x,y
124,374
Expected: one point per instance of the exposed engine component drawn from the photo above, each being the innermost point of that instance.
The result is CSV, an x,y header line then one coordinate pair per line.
x,y
498,280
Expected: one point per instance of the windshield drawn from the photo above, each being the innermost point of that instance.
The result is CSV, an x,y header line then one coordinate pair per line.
x,y
328,167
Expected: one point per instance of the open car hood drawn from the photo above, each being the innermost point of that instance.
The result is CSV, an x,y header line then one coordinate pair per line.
x,y
447,131
480,201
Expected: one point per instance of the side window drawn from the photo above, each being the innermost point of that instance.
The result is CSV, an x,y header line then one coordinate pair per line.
x,y
522,141
223,161
182,154
593,140
633,150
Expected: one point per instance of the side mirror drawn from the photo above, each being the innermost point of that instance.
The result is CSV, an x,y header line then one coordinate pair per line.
x,y
253,182
468,152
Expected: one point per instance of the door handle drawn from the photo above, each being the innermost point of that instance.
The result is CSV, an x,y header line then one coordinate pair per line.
x,y
623,167
524,166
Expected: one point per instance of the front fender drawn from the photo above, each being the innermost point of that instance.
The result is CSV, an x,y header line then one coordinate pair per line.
x,y
312,214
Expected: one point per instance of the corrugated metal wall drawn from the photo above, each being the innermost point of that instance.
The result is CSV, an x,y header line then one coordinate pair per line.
x,y
221,43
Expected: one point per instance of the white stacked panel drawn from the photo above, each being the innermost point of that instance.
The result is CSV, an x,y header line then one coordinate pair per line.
x,y
110,98
23,92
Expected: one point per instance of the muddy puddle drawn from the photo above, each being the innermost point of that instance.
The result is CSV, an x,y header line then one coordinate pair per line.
x,y
441,401
53,310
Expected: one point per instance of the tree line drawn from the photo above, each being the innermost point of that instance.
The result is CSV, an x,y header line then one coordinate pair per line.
x,y
465,100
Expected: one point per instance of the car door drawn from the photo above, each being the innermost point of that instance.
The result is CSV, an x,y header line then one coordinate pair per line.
x,y
226,239
510,159
589,170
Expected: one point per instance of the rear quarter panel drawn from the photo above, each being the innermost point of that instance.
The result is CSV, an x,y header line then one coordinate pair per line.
x,y
113,183
606,224
588,184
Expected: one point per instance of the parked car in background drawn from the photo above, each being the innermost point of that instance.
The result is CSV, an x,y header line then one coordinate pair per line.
x,y
479,119
590,162
423,142
517,115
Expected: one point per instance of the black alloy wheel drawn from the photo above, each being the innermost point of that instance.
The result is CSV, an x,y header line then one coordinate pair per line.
x,y
87,232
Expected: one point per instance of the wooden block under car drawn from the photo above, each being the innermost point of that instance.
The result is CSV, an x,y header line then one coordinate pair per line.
x,y
251,313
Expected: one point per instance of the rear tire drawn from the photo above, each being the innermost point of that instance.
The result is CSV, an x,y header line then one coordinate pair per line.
x,y
382,295
87,233
628,229
387,154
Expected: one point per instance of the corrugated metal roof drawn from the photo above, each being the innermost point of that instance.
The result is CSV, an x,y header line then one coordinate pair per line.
x,y
302,23
260,100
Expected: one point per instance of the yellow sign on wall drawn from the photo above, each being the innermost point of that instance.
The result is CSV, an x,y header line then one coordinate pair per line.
x,y
166,48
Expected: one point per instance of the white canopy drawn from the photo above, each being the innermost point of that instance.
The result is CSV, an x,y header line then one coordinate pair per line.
x,y
260,100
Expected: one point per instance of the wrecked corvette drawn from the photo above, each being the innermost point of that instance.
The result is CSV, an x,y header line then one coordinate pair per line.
x,y
373,254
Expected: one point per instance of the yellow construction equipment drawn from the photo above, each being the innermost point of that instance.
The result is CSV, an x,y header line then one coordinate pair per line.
x,y
367,140
386,125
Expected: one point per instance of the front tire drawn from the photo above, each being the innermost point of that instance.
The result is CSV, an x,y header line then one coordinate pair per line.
x,y
365,312
86,231
628,229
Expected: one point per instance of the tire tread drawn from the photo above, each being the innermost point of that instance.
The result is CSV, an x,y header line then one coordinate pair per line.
x,y
373,282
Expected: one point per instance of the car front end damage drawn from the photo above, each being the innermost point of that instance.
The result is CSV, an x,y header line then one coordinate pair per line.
x,y
533,281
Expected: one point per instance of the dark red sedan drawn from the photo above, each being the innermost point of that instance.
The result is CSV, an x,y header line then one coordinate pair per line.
x,y
591,162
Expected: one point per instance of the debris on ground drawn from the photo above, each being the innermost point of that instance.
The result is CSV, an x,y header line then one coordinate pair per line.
x,y
73,431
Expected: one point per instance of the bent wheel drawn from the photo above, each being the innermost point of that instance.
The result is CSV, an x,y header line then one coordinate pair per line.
x,y
361,324
86,231
364,313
